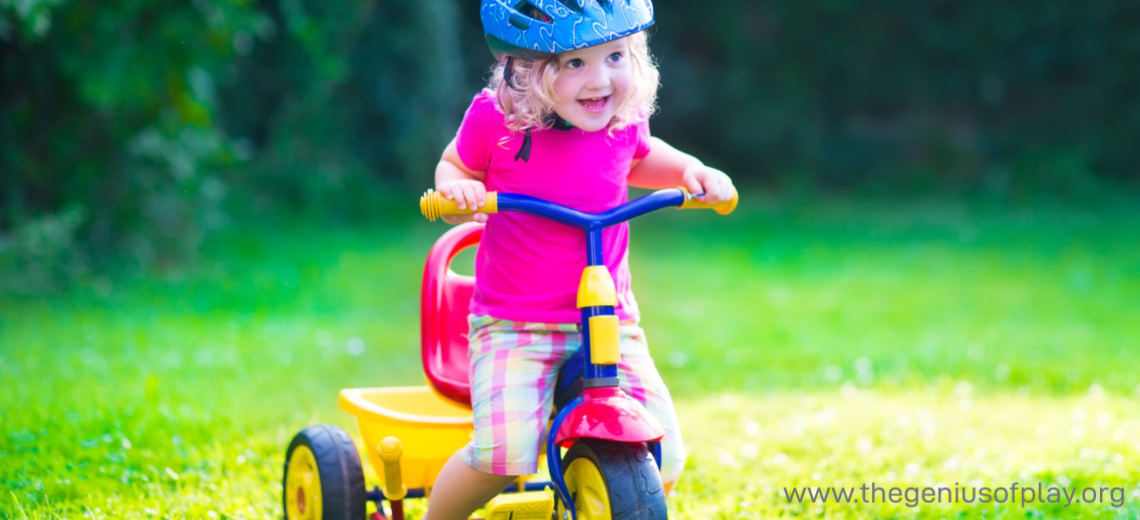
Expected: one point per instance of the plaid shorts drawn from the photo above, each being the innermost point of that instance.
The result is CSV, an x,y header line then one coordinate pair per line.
x,y
514,369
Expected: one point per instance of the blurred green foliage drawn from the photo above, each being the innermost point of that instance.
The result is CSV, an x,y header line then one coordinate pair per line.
x,y
131,129
111,113
999,96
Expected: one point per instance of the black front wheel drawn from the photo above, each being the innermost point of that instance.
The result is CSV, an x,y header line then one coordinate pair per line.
x,y
610,480
323,477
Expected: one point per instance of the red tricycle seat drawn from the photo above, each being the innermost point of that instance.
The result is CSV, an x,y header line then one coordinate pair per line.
x,y
444,302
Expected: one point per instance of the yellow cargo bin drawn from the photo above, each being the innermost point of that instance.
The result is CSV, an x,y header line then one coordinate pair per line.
x,y
430,428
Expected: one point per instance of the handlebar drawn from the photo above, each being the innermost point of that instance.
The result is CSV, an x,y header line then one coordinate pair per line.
x,y
434,205
722,208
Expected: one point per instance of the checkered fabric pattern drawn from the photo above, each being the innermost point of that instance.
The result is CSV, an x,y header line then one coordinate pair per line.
x,y
514,369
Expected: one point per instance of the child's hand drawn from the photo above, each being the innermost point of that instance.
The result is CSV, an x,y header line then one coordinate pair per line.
x,y
467,194
715,185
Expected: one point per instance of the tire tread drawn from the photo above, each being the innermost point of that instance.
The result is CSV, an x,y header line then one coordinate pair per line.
x,y
343,494
632,478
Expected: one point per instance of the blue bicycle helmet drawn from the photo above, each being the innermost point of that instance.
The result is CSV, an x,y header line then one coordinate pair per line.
x,y
533,28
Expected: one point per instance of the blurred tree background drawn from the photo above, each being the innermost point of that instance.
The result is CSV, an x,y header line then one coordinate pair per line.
x,y
132,129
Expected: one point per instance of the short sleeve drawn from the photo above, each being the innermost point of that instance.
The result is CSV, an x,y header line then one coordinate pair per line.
x,y
642,142
480,127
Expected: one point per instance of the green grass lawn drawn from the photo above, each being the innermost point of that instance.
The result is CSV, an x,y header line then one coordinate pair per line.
x,y
905,343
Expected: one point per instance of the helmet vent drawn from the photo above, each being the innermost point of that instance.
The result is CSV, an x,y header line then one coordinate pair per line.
x,y
530,11
574,5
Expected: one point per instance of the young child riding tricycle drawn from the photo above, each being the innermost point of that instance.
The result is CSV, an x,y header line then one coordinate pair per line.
x,y
548,327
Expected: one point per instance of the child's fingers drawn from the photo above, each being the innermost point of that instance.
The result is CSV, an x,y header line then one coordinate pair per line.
x,y
445,190
477,194
712,194
479,217
466,194
466,198
718,188
473,197
480,194
694,185
723,189
457,194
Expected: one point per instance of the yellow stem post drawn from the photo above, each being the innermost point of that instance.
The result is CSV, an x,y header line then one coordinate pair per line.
x,y
390,451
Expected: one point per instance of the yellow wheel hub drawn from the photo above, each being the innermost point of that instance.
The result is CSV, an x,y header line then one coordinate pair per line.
x,y
303,486
588,490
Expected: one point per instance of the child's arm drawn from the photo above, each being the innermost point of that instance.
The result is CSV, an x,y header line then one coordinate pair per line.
x,y
461,184
668,167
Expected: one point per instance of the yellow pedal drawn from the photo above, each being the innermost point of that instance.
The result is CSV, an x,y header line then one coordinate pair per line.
x,y
532,505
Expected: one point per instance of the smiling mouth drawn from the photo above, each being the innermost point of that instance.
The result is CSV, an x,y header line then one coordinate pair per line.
x,y
594,104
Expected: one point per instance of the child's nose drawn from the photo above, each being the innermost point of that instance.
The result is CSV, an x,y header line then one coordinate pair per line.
x,y
599,78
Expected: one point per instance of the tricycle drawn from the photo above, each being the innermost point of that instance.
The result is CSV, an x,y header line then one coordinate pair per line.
x,y
598,437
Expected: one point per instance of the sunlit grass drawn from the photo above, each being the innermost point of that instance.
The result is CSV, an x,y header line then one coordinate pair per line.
x,y
935,344
749,449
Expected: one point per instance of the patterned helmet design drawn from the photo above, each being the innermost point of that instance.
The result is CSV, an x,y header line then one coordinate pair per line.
x,y
536,27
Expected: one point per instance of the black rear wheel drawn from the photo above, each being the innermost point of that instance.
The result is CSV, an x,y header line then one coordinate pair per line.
x,y
611,480
323,477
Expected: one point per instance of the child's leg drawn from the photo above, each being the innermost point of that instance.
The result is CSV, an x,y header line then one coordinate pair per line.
x,y
639,378
460,489
512,380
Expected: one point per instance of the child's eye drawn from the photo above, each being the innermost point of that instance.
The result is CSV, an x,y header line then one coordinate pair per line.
x,y
573,63
615,57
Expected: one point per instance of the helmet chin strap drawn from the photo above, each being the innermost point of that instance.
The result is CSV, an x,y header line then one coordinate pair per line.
x,y
509,72
554,121
524,150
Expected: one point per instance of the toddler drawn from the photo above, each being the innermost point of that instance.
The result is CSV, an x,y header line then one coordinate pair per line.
x,y
565,119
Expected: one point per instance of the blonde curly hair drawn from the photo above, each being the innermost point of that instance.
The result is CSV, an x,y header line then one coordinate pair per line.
x,y
529,100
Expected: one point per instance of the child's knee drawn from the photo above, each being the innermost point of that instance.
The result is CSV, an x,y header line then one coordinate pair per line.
x,y
510,450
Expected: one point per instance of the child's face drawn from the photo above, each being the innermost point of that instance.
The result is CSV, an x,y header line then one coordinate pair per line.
x,y
592,83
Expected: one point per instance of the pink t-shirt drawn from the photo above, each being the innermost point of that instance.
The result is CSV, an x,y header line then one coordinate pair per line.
x,y
528,267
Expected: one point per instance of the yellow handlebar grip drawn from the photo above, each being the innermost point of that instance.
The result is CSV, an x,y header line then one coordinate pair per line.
x,y
434,205
723,208
390,451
